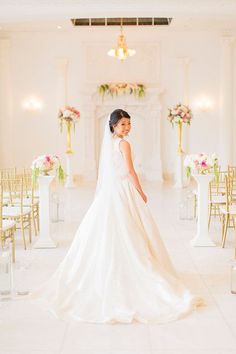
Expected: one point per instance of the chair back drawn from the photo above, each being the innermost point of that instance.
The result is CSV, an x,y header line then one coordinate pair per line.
x,y
232,171
228,189
8,173
14,189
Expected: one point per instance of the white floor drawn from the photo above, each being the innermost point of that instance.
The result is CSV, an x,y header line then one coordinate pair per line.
x,y
25,328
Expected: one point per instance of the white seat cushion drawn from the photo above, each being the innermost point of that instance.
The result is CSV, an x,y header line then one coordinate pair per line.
x,y
26,202
232,210
218,199
14,211
7,224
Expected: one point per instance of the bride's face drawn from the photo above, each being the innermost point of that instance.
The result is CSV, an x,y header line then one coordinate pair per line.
x,y
123,127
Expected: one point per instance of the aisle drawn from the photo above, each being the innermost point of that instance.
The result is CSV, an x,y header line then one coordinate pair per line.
x,y
25,328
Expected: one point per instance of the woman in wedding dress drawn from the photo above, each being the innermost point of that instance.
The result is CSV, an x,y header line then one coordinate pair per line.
x,y
117,268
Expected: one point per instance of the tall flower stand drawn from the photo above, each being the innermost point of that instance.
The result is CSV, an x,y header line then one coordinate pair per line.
x,y
69,176
202,238
179,177
44,240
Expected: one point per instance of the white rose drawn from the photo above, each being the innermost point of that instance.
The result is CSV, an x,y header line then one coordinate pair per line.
x,y
66,113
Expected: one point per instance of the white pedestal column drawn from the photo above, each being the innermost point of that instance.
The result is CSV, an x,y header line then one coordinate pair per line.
x,y
179,176
69,176
226,103
202,238
44,240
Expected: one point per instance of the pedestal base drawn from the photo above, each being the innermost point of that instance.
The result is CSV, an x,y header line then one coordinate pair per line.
x,y
44,243
202,241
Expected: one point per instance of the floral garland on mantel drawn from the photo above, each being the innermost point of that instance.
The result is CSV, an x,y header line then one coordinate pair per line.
x,y
118,89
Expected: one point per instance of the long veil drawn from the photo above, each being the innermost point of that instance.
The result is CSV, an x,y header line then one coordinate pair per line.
x,y
106,165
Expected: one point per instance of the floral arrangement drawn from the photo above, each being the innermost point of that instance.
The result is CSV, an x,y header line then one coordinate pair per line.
x,y
180,114
69,115
118,89
201,164
45,164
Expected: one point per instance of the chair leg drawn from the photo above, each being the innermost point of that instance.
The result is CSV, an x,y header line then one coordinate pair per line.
x,y
30,233
38,220
13,245
23,232
225,230
222,227
34,223
38,217
209,218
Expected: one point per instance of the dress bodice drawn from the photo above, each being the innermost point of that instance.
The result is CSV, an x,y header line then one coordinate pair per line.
x,y
118,159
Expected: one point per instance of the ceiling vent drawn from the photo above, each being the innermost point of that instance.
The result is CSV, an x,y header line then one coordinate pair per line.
x,y
125,21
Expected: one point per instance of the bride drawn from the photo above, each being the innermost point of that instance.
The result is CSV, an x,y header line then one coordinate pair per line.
x,y
117,268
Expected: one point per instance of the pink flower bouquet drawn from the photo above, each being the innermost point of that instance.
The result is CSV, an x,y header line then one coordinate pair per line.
x,y
69,115
180,114
46,165
201,164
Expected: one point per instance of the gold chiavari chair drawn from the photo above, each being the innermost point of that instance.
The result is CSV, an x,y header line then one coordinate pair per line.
x,y
15,210
8,173
217,198
213,191
7,227
228,212
30,199
232,171
28,176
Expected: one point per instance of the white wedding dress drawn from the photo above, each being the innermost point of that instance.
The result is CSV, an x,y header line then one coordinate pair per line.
x,y
117,268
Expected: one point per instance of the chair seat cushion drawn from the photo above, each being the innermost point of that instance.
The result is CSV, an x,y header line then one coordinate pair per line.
x,y
14,211
7,224
232,210
26,202
218,199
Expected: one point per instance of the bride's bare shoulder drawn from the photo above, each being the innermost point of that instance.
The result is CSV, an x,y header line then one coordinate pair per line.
x,y
124,145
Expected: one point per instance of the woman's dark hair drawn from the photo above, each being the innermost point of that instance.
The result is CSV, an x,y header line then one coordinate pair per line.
x,y
115,116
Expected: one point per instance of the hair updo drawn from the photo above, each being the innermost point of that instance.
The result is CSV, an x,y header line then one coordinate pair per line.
x,y
115,116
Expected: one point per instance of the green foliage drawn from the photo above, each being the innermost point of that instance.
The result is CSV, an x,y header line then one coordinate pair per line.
x,y
138,90
188,171
61,174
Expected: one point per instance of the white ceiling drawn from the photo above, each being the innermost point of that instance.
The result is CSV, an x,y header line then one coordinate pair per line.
x,y
27,15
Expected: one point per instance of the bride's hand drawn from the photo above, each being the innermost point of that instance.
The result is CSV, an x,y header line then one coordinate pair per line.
x,y
144,197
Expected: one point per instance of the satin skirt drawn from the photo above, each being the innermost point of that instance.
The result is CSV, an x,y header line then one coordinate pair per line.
x,y
117,268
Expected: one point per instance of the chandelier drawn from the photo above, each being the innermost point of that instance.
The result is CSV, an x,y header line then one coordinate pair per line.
x,y
121,52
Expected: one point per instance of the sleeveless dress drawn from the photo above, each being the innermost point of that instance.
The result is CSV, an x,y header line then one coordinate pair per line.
x,y
117,268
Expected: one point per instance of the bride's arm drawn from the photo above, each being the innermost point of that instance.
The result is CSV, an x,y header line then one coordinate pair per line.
x,y
126,151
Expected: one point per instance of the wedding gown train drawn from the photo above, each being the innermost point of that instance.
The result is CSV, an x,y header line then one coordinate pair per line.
x,y
117,268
